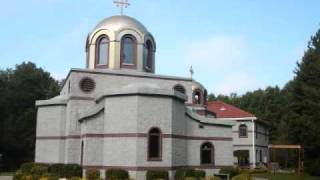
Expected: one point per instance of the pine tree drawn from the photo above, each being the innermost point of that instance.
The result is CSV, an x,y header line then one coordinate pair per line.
x,y
304,125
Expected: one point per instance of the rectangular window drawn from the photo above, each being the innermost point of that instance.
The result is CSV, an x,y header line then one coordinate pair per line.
x,y
154,147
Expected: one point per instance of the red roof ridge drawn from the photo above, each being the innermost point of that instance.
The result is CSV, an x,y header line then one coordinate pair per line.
x,y
225,110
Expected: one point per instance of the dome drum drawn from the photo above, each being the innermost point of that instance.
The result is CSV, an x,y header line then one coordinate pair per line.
x,y
128,45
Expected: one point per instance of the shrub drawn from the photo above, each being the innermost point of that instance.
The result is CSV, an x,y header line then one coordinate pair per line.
x,y
26,167
18,175
180,174
157,174
199,174
26,177
242,177
232,171
213,178
313,167
56,169
76,178
119,174
92,174
71,170
39,170
191,178
53,177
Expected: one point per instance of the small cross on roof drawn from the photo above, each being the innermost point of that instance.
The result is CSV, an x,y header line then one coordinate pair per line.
x,y
122,4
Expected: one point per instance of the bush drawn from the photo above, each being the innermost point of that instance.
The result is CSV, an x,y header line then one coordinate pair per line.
x,y
191,178
313,167
56,169
119,174
232,171
76,178
27,177
39,170
92,174
18,175
72,170
242,177
199,174
182,174
213,178
26,167
157,174
53,177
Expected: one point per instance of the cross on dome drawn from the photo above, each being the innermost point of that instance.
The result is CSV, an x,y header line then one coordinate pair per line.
x,y
122,4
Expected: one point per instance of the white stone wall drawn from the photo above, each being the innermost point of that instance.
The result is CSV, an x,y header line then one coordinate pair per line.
x,y
261,140
116,135
50,123
116,80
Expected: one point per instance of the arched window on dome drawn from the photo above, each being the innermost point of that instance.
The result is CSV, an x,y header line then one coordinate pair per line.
x,y
207,153
205,97
154,145
102,51
197,96
179,88
128,51
243,131
148,56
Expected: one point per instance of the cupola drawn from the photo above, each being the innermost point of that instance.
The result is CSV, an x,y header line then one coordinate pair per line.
x,y
121,42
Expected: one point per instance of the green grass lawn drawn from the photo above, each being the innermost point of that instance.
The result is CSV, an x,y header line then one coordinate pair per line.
x,y
282,176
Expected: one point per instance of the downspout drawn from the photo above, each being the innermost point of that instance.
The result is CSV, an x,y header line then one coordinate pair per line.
x,y
253,145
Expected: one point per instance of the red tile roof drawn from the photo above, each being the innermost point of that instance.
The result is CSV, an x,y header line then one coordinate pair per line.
x,y
224,110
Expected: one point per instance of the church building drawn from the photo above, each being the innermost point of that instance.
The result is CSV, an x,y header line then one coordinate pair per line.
x,y
117,113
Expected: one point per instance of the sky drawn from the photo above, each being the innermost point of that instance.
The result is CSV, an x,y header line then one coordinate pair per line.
x,y
233,46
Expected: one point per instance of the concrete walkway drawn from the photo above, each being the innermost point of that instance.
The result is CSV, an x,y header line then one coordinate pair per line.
x,y
5,177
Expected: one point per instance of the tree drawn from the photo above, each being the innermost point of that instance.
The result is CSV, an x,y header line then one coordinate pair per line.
x,y
19,89
304,126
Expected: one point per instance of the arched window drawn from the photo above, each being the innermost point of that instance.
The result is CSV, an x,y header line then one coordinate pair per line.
x,y
207,153
205,94
81,156
179,88
197,96
102,51
128,51
243,132
149,55
154,145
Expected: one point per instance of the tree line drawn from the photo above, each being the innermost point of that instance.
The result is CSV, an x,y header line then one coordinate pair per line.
x,y
293,111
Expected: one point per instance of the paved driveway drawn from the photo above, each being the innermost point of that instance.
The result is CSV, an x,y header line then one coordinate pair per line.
x,y
5,177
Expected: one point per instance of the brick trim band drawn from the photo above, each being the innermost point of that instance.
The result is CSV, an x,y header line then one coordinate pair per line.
x,y
135,135
145,168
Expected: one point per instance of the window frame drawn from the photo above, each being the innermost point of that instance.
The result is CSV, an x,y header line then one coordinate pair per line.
x,y
179,85
135,44
212,153
150,56
200,100
246,131
160,136
97,52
